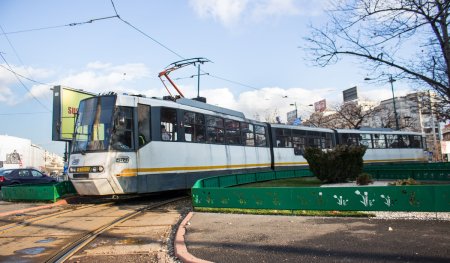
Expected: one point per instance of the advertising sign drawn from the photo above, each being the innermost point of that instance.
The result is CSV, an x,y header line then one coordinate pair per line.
x,y
320,106
350,94
291,116
65,108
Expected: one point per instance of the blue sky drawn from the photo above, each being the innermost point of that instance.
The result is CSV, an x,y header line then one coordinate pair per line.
x,y
252,42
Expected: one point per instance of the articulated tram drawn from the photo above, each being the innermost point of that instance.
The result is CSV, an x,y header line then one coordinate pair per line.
x,y
125,144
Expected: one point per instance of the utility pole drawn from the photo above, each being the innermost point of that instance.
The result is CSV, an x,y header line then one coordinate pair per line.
x,y
391,80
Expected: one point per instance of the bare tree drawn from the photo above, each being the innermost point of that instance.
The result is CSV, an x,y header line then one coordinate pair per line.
x,y
377,33
351,115
317,119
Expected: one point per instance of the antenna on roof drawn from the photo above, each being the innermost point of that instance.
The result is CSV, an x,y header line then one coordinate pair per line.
x,y
180,64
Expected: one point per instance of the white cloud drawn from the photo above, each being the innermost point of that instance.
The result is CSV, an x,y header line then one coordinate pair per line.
x,y
100,77
232,12
11,89
227,12
275,8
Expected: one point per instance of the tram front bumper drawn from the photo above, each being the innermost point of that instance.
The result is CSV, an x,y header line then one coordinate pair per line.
x,y
93,187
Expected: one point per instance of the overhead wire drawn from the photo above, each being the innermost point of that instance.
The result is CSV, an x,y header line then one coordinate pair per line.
x,y
15,52
27,78
173,52
59,26
23,85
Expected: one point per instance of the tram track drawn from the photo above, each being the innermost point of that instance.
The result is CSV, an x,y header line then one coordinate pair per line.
x,y
82,240
132,224
47,216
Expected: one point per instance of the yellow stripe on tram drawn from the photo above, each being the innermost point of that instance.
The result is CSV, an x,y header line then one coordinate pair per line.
x,y
134,172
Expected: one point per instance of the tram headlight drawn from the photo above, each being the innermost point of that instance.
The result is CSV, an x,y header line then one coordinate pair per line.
x,y
86,169
96,169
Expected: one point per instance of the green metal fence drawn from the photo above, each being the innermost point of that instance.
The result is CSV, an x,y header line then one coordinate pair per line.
x,y
417,171
216,192
38,192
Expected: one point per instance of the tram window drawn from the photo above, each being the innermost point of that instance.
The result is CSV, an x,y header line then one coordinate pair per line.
x,y
415,141
403,141
379,141
260,135
248,135
214,129
313,139
349,139
366,140
123,138
328,141
194,127
232,132
283,138
168,124
299,145
392,140
143,124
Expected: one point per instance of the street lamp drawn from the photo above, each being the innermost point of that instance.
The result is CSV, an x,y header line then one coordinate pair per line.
x,y
391,80
296,111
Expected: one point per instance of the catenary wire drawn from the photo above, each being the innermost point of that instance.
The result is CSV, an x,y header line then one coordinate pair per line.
x,y
59,26
23,85
173,52
27,78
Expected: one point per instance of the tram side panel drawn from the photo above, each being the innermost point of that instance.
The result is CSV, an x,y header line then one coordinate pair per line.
x,y
178,165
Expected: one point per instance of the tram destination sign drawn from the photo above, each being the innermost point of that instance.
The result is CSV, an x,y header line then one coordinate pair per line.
x,y
65,108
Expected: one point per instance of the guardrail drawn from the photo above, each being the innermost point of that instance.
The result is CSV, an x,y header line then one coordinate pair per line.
x,y
216,192
37,192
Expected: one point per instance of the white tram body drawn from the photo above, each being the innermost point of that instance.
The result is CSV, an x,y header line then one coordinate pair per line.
x,y
131,144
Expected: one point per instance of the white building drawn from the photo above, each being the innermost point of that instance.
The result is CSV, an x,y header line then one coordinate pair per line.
x,y
18,152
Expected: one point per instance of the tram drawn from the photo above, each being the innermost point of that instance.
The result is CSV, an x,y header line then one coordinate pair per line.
x,y
128,144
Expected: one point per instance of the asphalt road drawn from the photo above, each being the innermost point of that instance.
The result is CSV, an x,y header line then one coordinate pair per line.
x,y
255,238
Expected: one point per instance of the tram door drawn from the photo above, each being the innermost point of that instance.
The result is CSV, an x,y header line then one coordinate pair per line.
x,y
144,133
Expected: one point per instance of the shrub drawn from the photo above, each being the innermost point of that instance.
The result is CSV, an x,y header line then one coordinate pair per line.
x,y
363,179
337,165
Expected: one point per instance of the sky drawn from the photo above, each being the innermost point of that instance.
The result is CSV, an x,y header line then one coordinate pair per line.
x,y
257,63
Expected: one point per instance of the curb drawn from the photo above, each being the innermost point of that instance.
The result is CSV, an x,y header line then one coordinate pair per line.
x,y
21,211
181,251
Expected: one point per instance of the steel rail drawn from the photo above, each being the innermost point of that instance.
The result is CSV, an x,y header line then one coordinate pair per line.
x,y
84,239
48,216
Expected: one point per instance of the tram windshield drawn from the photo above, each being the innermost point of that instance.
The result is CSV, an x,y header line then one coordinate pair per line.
x,y
93,125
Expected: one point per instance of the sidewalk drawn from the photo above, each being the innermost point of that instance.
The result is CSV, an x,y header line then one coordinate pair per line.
x,y
259,238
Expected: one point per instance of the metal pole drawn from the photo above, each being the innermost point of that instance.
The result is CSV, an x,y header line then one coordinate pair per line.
x,y
198,81
296,111
391,80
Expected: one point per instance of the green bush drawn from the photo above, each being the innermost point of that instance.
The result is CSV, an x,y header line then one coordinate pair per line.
x,y
363,179
337,165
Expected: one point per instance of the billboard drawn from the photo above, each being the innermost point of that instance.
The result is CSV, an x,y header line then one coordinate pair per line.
x,y
65,108
291,116
320,106
350,94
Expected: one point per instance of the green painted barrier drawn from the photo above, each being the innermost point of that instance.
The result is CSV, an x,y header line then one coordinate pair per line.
x,y
435,198
37,192
216,192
